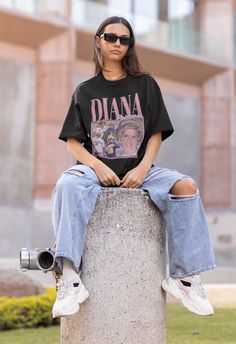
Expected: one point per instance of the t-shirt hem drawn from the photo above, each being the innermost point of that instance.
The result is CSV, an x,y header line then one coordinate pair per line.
x,y
66,137
167,132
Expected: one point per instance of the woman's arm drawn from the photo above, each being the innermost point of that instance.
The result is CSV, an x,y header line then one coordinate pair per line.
x,y
152,150
104,173
134,178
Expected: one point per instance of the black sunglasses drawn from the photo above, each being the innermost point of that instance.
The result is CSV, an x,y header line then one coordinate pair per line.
x,y
112,38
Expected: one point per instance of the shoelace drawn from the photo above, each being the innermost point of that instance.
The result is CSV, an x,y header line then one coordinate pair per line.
x,y
62,289
197,286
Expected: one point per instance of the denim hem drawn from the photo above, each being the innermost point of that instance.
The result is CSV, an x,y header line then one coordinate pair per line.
x,y
65,255
195,272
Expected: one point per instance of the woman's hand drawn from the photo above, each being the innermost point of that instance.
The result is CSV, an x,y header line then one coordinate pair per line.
x,y
105,174
135,177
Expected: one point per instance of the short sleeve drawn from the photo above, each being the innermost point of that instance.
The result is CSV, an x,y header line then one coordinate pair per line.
x,y
159,118
73,126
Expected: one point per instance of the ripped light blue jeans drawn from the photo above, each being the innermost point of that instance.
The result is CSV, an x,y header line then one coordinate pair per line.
x,y
189,245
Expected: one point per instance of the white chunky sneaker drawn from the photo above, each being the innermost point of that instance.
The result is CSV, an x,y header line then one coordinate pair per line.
x,y
70,293
190,292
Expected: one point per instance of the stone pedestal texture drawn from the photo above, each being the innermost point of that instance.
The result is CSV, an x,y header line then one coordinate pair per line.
x,y
123,265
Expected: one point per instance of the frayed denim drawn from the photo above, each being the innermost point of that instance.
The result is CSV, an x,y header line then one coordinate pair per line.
x,y
189,245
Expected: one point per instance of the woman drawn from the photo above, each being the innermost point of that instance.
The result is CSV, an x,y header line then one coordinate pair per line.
x,y
120,91
130,135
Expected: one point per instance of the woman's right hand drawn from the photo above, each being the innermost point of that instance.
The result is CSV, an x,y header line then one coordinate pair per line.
x,y
105,174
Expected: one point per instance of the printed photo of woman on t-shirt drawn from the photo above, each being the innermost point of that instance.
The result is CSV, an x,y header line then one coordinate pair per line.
x,y
122,138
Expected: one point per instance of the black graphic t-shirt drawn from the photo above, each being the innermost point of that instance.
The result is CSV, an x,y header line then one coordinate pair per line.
x,y
115,119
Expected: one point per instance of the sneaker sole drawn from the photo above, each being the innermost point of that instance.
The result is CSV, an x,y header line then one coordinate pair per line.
x,y
173,290
71,311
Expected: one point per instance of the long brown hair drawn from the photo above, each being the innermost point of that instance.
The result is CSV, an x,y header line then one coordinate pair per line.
x,y
130,62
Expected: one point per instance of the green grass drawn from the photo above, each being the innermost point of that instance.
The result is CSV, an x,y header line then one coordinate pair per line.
x,y
183,327
41,335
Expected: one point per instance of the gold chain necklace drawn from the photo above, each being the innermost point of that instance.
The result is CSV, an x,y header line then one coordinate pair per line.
x,y
116,77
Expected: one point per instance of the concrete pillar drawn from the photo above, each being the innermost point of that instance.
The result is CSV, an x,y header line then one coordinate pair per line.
x,y
218,114
123,265
216,143
217,28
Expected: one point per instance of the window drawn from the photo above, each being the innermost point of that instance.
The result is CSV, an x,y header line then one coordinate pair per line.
x,y
179,8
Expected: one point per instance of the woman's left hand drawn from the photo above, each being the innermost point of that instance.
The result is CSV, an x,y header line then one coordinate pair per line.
x,y
135,177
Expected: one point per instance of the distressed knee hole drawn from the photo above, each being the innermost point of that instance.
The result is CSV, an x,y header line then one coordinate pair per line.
x,y
183,188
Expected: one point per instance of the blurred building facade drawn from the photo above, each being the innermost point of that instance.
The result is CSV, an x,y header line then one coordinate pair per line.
x,y
46,49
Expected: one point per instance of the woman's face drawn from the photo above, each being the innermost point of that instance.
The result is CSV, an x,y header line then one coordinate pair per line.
x,y
114,51
130,140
